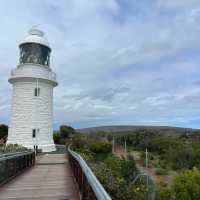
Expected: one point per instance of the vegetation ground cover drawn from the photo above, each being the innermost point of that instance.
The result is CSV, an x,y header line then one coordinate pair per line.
x,y
175,155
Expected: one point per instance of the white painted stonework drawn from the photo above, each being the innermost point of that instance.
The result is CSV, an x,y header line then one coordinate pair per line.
x,y
30,112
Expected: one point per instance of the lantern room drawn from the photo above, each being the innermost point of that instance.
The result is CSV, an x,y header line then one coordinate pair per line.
x,y
35,49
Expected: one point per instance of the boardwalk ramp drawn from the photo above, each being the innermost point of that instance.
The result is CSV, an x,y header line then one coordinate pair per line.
x,y
50,179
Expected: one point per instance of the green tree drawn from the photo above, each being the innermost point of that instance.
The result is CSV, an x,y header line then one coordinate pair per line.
x,y
61,136
186,187
164,194
3,131
79,142
101,147
56,138
66,131
182,158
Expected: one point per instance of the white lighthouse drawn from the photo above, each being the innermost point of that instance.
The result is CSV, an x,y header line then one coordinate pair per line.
x,y
31,122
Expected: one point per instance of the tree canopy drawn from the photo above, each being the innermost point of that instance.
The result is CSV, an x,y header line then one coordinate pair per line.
x,y
3,131
64,133
185,187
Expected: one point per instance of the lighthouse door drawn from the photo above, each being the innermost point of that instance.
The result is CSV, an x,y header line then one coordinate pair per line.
x,y
35,133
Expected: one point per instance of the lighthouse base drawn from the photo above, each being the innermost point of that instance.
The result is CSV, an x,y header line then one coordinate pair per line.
x,y
42,147
47,148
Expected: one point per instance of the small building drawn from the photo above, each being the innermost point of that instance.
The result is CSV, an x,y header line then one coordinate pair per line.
x,y
31,121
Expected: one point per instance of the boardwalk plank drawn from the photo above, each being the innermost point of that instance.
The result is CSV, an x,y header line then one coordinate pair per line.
x,y
51,178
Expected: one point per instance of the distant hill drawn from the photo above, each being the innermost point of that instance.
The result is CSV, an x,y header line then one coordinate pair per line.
x,y
162,129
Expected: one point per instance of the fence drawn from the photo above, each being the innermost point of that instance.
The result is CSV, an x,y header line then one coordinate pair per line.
x,y
89,186
12,164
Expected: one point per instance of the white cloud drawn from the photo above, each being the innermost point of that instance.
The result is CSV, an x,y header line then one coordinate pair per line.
x,y
177,3
137,71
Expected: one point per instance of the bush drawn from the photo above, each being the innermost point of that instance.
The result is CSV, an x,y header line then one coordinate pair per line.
x,y
86,154
164,194
128,169
66,131
185,187
161,171
63,135
101,147
3,131
116,176
56,138
9,148
181,158
79,142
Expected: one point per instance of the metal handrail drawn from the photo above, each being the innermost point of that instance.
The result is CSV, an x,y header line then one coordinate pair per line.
x,y
14,163
94,183
13,153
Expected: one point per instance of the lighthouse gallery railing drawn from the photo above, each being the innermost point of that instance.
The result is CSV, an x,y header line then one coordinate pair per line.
x,y
14,163
89,186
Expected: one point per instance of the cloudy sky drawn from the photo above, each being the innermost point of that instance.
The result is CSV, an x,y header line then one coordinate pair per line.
x,y
124,62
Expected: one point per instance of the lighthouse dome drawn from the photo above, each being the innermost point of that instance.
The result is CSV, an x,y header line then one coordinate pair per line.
x,y
36,36
35,48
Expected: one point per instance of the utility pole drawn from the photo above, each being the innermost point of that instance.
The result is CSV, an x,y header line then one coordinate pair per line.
x,y
125,148
147,177
144,174
113,145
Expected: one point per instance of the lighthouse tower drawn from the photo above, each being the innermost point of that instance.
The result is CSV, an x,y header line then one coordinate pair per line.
x,y
31,123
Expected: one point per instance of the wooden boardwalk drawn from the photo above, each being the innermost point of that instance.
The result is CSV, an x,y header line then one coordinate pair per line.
x,y
50,179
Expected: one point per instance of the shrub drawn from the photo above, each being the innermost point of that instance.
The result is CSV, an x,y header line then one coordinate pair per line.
x,y
56,138
101,147
164,194
161,171
181,158
3,131
185,187
116,176
128,169
9,148
66,131
79,141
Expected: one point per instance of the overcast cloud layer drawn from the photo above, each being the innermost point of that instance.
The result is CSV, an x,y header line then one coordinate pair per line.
x,y
117,61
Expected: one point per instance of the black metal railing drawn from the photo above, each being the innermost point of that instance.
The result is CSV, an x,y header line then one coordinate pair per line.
x,y
89,186
13,164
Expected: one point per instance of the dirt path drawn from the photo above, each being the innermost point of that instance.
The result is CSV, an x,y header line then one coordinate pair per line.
x,y
158,179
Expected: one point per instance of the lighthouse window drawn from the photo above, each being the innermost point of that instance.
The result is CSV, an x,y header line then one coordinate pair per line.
x,y
37,92
33,133
35,54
